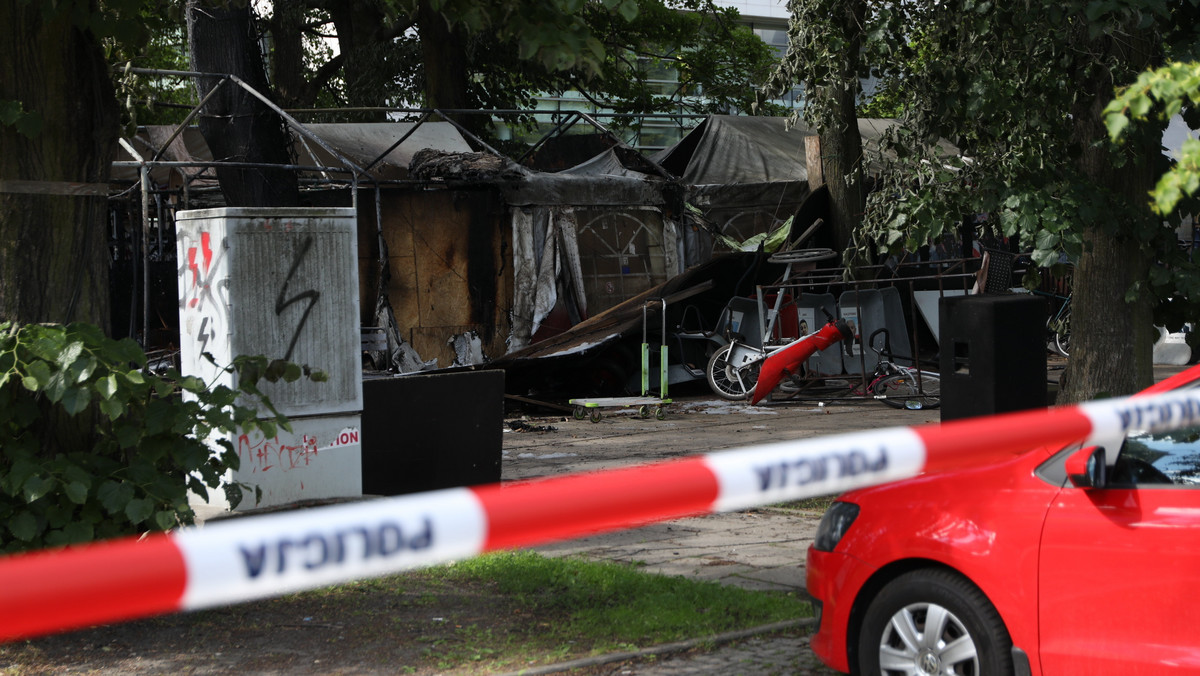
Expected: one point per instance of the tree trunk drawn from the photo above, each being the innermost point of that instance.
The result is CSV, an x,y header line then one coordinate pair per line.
x,y
443,51
54,182
361,30
287,41
841,144
237,126
1112,340
841,159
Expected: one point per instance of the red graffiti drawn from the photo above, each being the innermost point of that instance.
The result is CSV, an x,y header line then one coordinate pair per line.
x,y
206,252
267,454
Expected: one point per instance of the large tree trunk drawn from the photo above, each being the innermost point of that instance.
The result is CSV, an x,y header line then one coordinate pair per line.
x,y
446,70
1111,339
53,182
841,143
841,160
237,126
360,29
287,40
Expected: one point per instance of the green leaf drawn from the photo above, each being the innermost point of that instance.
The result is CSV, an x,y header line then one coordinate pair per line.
x,y
41,373
112,408
138,510
165,519
69,354
76,491
128,434
37,486
192,384
73,533
106,387
292,373
23,526
1047,240
114,496
75,399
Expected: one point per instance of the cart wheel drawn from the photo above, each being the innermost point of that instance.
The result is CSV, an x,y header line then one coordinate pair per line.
x,y
595,415
643,411
660,413
580,413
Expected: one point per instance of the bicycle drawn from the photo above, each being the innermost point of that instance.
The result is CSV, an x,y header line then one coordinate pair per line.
x,y
900,386
734,370
1059,326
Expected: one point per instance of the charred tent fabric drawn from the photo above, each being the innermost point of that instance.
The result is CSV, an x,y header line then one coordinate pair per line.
x,y
465,257
746,174
584,240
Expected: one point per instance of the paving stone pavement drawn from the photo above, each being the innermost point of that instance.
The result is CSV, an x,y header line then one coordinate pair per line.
x,y
761,548
758,549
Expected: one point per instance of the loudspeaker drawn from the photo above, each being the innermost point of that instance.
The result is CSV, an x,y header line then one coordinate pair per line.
x,y
993,354
423,432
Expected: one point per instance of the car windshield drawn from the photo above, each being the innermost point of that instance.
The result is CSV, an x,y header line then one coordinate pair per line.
x,y
1163,458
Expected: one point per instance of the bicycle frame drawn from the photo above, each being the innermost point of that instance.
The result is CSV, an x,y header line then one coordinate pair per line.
x,y
788,359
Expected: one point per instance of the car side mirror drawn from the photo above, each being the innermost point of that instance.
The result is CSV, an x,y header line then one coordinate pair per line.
x,y
1086,468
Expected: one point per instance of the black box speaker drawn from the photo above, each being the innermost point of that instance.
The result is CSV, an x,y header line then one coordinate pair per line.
x,y
993,354
423,432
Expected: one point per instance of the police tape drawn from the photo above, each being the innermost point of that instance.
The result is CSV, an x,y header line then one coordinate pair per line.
x,y
261,556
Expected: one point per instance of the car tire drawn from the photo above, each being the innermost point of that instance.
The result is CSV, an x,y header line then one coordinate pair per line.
x,y
970,636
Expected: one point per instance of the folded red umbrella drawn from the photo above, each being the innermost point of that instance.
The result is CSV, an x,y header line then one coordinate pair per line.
x,y
787,361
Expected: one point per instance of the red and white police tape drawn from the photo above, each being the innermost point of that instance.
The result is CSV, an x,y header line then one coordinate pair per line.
x,y
241,559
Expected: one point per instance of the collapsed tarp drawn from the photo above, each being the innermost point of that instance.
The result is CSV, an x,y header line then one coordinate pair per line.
x,y
362,143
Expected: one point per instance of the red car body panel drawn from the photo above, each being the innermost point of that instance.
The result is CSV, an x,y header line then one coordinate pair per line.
x,y
1119,568
968,529
1086,580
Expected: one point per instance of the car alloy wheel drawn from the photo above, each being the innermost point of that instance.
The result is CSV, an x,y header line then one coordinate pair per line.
x,y
933,621
925,638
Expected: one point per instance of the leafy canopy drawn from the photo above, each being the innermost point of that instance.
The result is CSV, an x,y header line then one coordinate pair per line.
x,y
1159,95
148,443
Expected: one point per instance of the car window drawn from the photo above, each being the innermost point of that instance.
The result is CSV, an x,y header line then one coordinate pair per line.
x,y
1160,459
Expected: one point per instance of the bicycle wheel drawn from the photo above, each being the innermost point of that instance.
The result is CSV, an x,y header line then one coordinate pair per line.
x,y
1058,328
1062,333
726,379
901,390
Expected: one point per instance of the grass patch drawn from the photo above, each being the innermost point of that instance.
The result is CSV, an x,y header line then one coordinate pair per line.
x,y
613,606
493,613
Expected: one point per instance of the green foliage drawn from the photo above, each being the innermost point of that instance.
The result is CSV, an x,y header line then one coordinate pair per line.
x,y
638,56
552,33
1012,86
93,445
13,114
612,604
1161,94
153,100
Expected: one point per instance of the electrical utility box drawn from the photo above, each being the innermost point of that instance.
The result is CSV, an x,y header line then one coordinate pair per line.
x,y
282,283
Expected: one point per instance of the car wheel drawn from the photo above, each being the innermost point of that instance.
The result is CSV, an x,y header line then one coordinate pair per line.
x,y
933,622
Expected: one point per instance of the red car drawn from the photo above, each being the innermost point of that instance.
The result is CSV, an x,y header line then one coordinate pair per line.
x,y
1053,562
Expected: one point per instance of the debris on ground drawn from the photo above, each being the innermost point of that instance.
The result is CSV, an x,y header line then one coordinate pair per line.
x,y
522,426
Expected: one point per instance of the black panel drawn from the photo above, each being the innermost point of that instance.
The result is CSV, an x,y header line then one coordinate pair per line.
x,y
429,431
993,354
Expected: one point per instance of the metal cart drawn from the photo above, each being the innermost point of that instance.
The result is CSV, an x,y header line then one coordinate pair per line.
x,y
646,404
